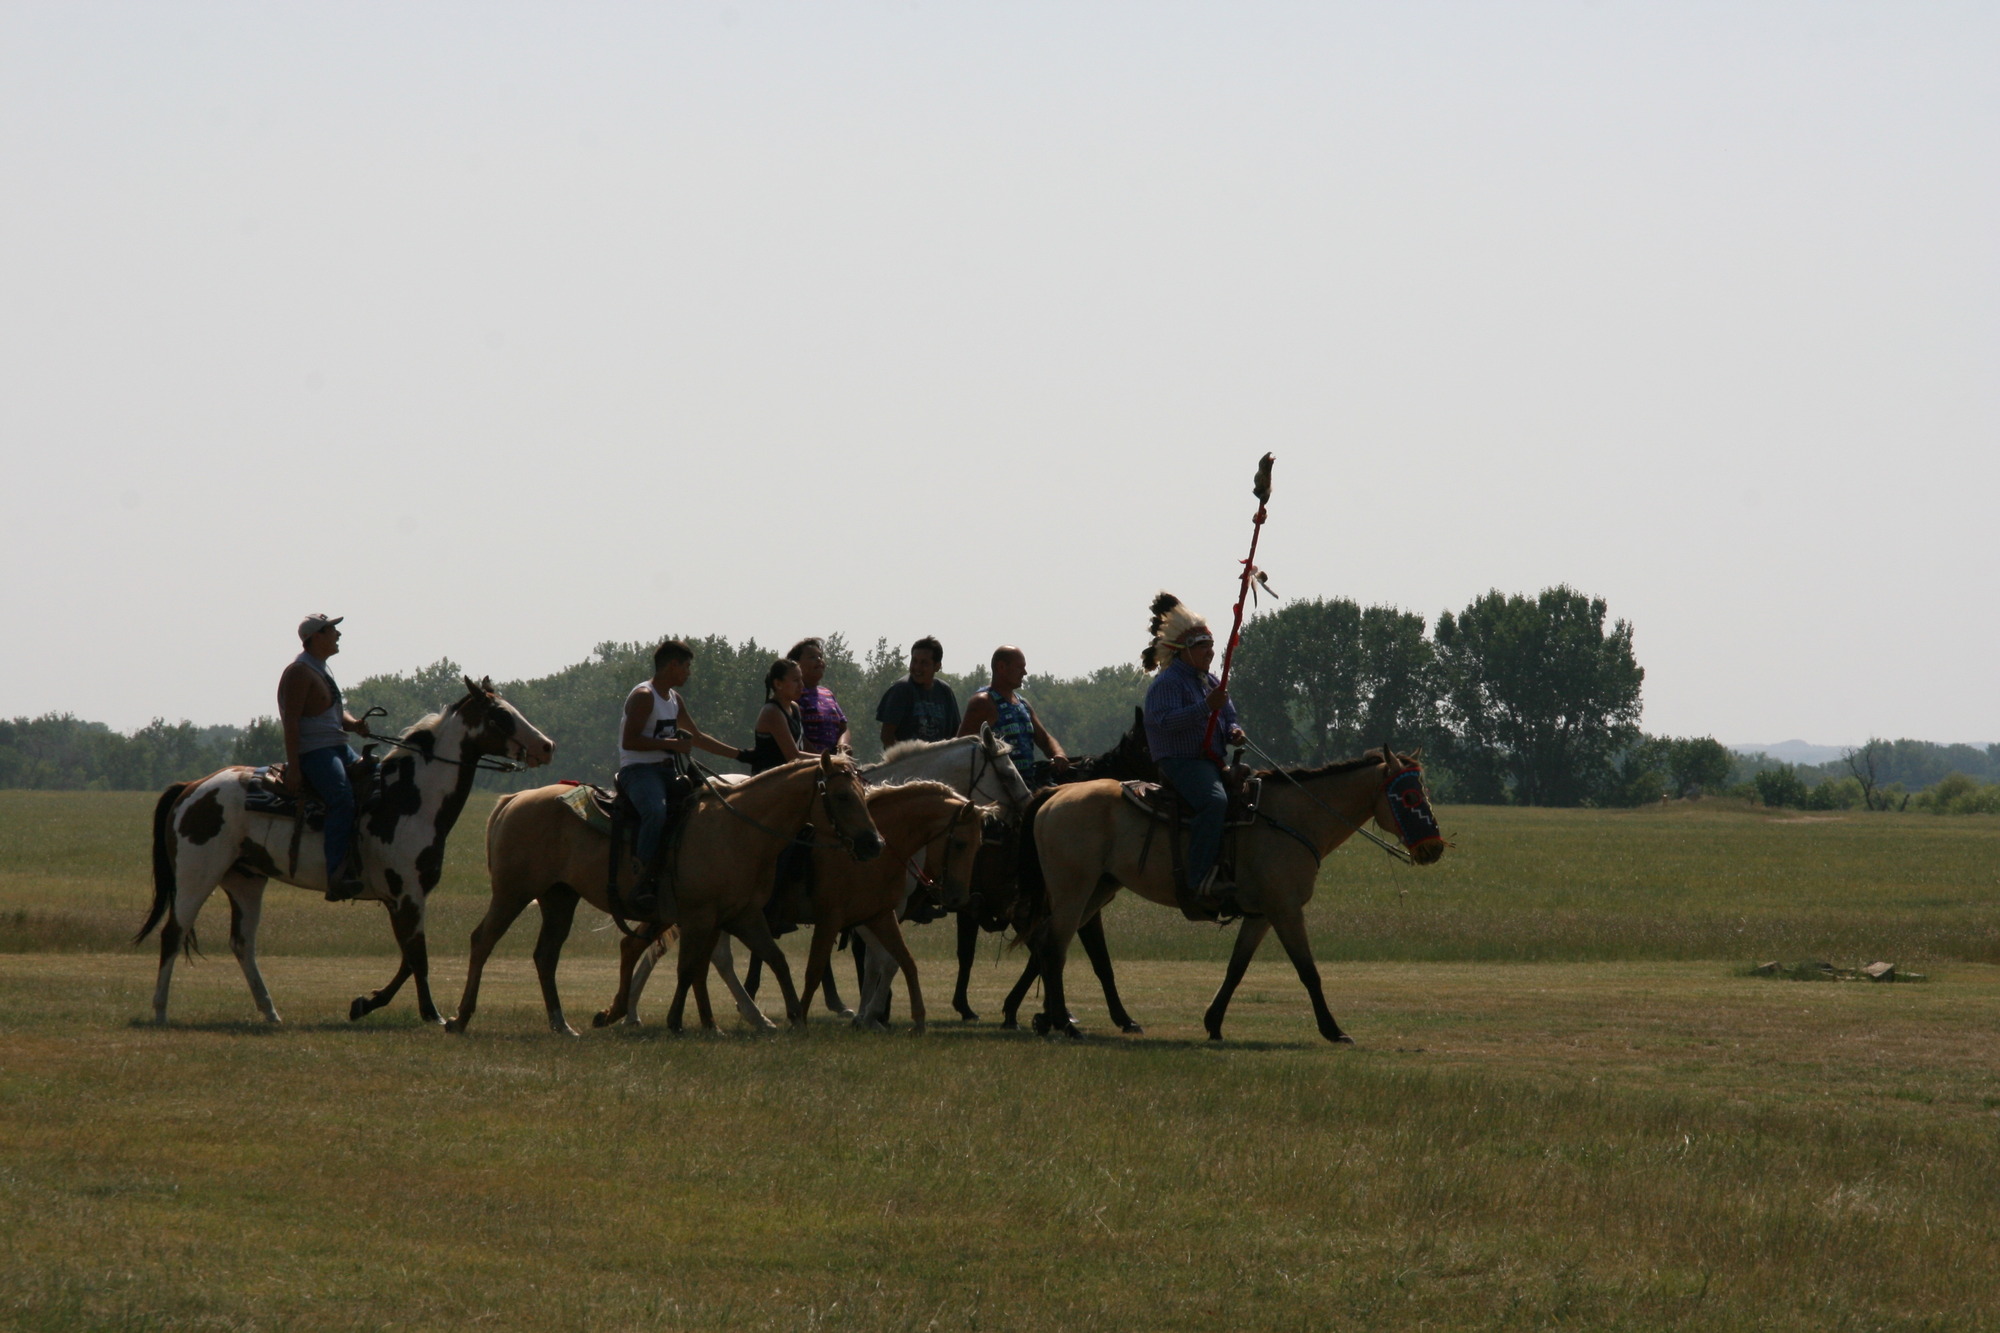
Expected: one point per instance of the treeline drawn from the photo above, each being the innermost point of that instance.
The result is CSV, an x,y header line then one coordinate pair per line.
x,y
1531,700
1881,775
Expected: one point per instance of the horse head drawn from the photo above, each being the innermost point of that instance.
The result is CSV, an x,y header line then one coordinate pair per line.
x,y
494,726
1405,808
846,803
998,764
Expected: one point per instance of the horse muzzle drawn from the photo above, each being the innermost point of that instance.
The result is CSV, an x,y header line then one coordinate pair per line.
x,y
1426,851
865,846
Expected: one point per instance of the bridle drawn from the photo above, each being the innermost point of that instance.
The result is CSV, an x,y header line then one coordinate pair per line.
x,y
1397,807
842,838
984,762
916,868
485,763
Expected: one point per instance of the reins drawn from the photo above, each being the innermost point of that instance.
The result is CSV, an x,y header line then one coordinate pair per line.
x,y
708,777
1397,852
485,763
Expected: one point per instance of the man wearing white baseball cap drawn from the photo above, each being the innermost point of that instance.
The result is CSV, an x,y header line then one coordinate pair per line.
x,y
316,724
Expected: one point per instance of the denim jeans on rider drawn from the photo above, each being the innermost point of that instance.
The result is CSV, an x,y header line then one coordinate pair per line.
x,y
645,786
1200,784
325,771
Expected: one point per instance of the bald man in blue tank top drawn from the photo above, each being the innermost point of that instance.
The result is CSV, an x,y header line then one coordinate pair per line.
x,y
1012,717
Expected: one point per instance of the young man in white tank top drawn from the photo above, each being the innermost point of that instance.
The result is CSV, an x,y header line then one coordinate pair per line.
x,y
653,738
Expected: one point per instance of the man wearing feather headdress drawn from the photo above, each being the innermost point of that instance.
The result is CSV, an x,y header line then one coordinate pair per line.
x,y
1178,704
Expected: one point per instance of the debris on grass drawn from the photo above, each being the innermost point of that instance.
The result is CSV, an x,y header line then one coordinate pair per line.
x,y
1824,971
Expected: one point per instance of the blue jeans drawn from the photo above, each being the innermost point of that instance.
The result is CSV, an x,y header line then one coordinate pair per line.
x,y
645,786
1200,784
325,771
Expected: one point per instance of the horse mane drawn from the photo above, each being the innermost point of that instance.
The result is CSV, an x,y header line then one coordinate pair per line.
x,y
1325,770
925,786
901,748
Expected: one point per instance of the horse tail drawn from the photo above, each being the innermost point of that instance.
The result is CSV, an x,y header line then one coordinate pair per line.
x,y
163,858
493,827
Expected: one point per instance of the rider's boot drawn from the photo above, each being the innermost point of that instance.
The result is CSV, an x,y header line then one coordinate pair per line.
x,y
348,884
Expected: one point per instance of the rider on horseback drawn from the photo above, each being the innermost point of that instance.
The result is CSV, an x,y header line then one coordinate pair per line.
x,y
316,750
654,739
1177,707
1013,719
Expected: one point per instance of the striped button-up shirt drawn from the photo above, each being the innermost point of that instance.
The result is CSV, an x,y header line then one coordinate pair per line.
x,y
1177,713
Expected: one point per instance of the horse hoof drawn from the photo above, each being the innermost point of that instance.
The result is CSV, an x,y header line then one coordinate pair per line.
x,y
1009,1024
845,1015
1041,1025
356,1010
917,1028
455,1025
1341,1039
967,1015
567,1031
1133,1030
602,1019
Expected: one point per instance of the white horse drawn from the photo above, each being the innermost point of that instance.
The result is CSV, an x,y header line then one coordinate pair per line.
x,y
980,768
205,838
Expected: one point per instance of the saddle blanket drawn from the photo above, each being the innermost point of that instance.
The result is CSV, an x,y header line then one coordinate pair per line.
x,y
590,804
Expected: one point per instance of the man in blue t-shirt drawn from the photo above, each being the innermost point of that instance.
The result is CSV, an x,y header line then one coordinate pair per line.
x,y
919,707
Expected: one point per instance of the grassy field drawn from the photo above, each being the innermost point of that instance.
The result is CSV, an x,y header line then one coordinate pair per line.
x,y
1569,1107
1711,880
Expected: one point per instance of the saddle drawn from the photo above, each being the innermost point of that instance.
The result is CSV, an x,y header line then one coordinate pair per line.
x,y
609,811
267,794
1163,807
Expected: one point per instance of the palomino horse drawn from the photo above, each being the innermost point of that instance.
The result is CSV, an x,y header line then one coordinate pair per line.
x,y
204,838
923,822
979,768
1090,843
537,850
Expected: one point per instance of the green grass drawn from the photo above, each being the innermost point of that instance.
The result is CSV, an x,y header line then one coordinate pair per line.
x,y
1707,880
1587,1146
1617,1129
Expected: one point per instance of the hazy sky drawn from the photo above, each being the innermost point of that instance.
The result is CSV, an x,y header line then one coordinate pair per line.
x,y
504,330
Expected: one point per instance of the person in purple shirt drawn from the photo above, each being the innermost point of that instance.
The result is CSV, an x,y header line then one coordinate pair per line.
x,y
825,722
1178,705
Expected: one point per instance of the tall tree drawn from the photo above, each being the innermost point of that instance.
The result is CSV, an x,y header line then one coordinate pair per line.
x,y
1543,688
1323,679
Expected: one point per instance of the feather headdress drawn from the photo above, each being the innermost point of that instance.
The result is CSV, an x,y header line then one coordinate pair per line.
x,y
1173,628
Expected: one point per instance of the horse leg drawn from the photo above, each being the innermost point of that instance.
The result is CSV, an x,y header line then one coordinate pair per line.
x,y
968,949
753,976
1052,943
406,921
246,907
1091,936
877,987
834,1004
697,946
558,911
1291,930
632,950
1010,1008
746,1007
890,937
177,927
751,927
1248,936
500,914
819,961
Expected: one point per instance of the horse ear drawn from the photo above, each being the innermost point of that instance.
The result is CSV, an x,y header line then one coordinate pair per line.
x,y
1388,755
986,734
825,763
486,684
470,688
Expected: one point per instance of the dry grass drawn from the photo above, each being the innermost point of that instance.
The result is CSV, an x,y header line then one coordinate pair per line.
x,y
1588,1146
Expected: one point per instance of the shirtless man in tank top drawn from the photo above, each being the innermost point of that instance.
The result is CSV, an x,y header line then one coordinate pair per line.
x,y
315,721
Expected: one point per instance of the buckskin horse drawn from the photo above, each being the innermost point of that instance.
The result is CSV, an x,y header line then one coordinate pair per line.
x,y
204,838
1090,842
723,869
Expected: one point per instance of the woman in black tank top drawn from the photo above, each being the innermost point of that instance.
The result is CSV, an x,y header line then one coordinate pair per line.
x,y
781,731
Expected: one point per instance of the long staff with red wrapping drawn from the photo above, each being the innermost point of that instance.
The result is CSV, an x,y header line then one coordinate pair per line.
x,y
1261,488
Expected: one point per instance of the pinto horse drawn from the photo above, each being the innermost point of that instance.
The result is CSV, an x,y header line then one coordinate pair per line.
x,y
724,869
204,839
1090,843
